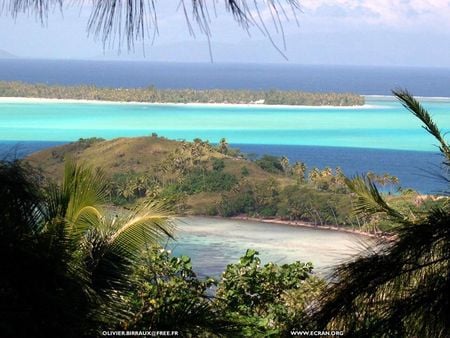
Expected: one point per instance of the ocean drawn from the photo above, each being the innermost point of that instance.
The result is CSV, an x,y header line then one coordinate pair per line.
x,y
365,80
380,137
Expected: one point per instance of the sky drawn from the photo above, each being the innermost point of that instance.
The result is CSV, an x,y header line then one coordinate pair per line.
x,y
342,32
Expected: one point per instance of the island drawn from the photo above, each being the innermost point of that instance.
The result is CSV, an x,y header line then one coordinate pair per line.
x,y
155,95
203,179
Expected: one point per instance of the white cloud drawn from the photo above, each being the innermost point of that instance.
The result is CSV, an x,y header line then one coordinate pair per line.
x,y
387,12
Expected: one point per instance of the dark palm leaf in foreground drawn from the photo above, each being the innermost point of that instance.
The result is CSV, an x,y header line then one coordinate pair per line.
x,y
400,288
64,265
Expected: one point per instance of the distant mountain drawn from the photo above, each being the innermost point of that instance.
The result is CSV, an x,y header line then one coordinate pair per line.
x,y
6,55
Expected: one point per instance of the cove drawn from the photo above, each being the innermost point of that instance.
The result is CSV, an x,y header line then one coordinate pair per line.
x,y
212,243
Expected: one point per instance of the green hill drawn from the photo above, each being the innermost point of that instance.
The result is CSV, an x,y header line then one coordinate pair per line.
x,y
203,179
195,172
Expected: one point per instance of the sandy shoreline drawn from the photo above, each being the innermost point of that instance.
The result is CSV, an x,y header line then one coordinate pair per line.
x,y
433,98
308,225
193,104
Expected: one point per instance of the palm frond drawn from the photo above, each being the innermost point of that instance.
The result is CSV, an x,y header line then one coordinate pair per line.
x,y
86,218
415,107
113,20
116,244
76,202
148,224
21,202
39,7
398,288
83,187
369,199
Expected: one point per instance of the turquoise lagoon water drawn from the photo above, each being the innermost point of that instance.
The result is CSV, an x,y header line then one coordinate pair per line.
x,y
381,124
213,243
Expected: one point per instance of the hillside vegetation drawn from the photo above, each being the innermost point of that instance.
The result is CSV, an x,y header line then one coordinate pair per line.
x,y
204,179
154,95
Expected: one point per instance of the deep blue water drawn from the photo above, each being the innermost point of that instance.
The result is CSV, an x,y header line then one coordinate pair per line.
x,y
357,79
416,169
19,149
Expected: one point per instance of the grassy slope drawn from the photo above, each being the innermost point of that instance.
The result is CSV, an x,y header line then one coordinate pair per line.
x,y
115,156
146,154
138,155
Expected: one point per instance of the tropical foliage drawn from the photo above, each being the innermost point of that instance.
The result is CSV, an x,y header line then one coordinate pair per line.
x,y
168,295
261,297
400,288
74,268
206,179
66,264
132,20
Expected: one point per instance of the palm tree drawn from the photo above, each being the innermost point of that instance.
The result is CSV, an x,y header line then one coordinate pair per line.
x,y
66,264
314,175
284,161
299,170
400,288
223,146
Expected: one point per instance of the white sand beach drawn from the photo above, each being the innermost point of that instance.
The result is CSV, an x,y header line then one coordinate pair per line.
x,y
25,100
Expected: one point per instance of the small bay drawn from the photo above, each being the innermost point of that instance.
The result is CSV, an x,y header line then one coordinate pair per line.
x,y
212,243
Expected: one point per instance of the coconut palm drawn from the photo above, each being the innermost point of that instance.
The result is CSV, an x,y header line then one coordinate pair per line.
x,y
284,161
223,146
299,170
314,175
66,263
400,288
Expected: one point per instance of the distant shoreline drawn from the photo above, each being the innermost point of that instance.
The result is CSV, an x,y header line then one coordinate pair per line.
x,y
303,224
190,104
433,98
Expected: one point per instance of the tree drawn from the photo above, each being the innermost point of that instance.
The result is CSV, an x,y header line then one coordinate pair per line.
x,y
267,297
168,295
284,162
223,146
65,264
401,288
299,170
314,175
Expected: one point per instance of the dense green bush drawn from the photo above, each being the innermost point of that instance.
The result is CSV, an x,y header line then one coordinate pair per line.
x,y
260,295
200,180
294,202
236,203
270,163
168,295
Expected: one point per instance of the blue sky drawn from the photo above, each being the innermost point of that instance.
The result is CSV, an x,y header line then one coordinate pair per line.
x,y
362,32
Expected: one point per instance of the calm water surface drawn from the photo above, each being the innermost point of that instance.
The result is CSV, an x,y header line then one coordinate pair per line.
x,y
382,124
213,243
363,80
380,137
